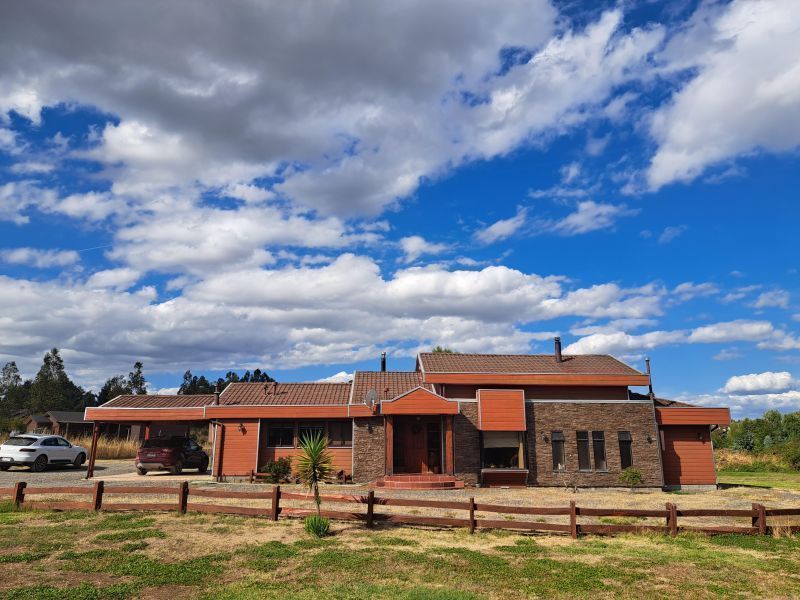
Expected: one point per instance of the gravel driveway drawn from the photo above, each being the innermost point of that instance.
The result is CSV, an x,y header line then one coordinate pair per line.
x,y
65,475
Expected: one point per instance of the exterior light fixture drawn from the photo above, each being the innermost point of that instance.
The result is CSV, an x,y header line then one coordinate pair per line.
x,y
242,428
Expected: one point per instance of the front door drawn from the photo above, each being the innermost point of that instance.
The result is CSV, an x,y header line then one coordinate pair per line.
x,y
417,445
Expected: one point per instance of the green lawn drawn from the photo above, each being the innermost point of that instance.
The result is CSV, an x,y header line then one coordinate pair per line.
x,y
86,556
785,481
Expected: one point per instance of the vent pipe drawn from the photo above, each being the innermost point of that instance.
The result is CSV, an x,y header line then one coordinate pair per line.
x,y
383,362
559,358
649,379
216,394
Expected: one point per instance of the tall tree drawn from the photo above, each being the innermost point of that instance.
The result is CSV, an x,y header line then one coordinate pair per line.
x,y
52,389
113,387
136,380
9,377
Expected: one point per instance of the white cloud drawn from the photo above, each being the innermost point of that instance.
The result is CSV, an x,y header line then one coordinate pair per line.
x,y
732,331
592,216
415,246
774,298
728,354
33,167
502,229
670,233
340,377
41,259
744,405
760,383
689,290
745,94
120,279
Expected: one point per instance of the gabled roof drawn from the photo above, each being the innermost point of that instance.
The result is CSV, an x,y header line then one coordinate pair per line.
x,y
662,402
527,364
160,401
285,394
63,416
39,419
388,384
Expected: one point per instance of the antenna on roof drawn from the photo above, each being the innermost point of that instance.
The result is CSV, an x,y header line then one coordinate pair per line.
x,y
649,379
371,398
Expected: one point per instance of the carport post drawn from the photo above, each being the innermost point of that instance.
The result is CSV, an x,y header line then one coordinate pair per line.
x,y
93,450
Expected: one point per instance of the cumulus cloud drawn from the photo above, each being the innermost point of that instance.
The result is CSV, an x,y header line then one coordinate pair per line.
x,y
759,383
774,298
414,246
120,279
670,233
592,216
690,290
340,377
40,259
502,229
744,96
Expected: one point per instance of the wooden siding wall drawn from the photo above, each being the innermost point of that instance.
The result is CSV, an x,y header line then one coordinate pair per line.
x,y
693,416
543,392
688,457
501,410
239,448
419,402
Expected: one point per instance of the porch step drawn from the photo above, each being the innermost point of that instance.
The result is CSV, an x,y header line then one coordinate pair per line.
x,y
429,481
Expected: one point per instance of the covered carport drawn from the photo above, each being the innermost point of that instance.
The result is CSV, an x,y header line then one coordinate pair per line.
x,y
159,415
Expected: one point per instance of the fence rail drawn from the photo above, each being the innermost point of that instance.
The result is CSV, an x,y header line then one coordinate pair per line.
x,y
757,513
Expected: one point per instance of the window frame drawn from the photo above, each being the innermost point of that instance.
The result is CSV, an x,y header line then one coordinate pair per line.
x,y
278,425
599,437
558,437
578,439
345,426
323,425
628,444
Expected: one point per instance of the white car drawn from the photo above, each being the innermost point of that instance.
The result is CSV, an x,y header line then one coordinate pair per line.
x,y
38,451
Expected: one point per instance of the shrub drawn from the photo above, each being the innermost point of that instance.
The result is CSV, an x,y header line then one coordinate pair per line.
x,y
317,526
790,452
279,470
631,477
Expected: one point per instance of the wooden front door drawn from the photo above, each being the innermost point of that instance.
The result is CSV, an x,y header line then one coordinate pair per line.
x,y
417,446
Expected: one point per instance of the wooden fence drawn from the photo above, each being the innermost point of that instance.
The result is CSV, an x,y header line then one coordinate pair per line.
x,y
100,494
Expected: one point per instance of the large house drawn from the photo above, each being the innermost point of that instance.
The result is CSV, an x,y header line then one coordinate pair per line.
x,y
543,420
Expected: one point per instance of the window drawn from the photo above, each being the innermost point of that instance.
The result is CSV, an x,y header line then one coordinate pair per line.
x,y
49,442
502,450
340,433
63,442
559,458
625,449
599,447
584,462
309,430
280,435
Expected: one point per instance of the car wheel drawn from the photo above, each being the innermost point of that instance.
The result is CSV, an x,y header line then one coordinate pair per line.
x,y
141,471
79,460
203,468
40,464
177,469
5,467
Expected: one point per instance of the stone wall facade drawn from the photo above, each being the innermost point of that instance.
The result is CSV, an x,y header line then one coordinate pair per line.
x,y
369,449
467,442
569,417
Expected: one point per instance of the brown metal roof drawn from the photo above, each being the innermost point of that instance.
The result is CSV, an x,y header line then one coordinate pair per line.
x,y
388,384
528,364
285,394
160,401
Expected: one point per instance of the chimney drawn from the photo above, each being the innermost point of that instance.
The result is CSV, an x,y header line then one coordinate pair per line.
x,y
558,350
383,362
649,379
216,394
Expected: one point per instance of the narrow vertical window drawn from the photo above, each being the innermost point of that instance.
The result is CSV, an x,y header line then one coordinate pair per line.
x,y
559,458
625,449
599,447
584,462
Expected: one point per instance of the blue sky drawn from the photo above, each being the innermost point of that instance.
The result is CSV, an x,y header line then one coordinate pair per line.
x,y
298,190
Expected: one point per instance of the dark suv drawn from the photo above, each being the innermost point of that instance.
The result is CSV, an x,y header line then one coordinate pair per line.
x,y
172,454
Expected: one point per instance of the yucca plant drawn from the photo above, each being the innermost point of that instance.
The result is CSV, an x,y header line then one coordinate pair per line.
x,y
314,464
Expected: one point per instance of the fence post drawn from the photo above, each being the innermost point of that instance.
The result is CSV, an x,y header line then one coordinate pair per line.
x,y
472,515
370,507
183,497
760,518
573,520
19,494
97,498
672,519
276,498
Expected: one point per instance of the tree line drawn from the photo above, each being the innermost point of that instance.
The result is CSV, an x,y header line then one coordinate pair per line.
x,y
52,389
772,433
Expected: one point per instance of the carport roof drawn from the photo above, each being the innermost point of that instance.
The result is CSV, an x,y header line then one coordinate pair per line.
x,y
160,401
